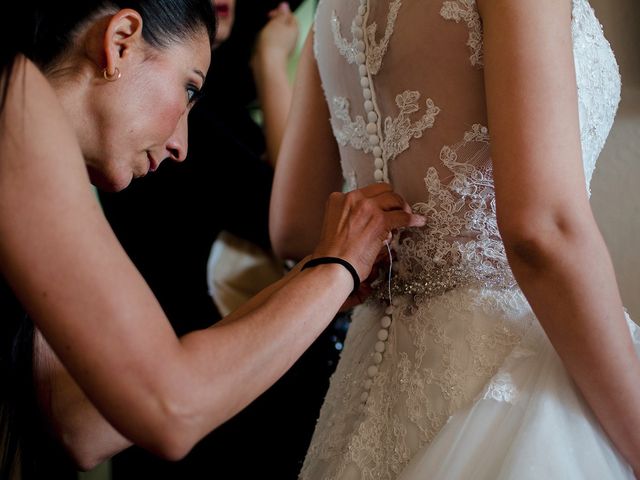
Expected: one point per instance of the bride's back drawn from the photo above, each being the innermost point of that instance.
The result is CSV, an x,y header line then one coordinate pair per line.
x,y
405,87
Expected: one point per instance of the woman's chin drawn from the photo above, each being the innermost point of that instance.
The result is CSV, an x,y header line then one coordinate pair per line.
x,y
109,183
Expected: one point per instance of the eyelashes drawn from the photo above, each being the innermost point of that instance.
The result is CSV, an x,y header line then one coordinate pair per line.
x,y
193,94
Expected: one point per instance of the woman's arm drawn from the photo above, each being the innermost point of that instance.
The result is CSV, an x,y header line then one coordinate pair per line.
x,y
308,166
85,434
552,240
102,321
274,45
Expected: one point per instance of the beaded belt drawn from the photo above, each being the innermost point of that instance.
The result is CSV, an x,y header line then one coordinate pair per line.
x,y
437,280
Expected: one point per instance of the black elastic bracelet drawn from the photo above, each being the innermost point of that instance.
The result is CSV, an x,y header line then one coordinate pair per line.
x,y
325,260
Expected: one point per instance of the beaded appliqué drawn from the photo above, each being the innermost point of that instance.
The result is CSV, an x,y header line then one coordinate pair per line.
x,y
466,10
461,245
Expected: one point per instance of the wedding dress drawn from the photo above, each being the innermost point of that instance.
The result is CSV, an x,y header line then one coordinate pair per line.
x,y
455,379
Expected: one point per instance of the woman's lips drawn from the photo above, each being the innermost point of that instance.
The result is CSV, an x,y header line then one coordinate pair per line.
x,y
222,10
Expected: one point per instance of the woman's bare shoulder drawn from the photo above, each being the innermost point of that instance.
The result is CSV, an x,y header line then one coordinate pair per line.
x,y
33,124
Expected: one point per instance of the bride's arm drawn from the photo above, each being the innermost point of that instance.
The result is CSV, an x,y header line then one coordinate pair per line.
x,y
553,243
308,167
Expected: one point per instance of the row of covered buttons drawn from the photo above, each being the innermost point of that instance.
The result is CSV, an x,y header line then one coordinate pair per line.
x,y
365,83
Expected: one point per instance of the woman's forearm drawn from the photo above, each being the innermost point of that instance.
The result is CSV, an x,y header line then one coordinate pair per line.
x,y
569,281
273,334
275,94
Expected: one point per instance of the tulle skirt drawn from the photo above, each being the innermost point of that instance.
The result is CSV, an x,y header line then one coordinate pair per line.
x,y
469,388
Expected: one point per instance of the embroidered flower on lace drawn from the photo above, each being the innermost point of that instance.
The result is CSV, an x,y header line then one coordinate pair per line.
x,y
375,51
461,244
400,130
347,49
352,132
467,11
502,389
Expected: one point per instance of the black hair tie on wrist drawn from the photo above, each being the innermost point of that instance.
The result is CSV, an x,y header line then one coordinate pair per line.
x,y
340,261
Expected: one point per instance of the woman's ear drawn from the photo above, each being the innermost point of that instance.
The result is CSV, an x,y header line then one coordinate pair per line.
x,y
122,37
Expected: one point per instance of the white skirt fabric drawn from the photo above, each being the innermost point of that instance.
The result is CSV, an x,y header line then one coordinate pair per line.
x,y
469,388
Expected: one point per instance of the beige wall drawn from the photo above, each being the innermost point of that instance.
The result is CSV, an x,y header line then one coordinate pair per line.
x,y
615,186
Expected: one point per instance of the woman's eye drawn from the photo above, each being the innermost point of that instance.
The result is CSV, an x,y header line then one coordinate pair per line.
x,y
193,93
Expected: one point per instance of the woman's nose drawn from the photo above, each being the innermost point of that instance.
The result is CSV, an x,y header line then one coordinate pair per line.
x,y
178,142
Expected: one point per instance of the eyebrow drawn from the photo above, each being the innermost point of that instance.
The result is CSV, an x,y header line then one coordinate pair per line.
x,y
199,73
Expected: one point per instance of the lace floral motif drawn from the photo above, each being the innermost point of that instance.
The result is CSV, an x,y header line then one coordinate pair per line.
x,y
351,132
347,49
429,372
461,244
502,389
598,80
375,51
467,11
400,130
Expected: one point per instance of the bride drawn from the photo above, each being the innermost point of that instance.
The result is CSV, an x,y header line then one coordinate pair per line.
x,y
499,348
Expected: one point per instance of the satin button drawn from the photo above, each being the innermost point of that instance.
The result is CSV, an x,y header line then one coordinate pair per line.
x,y
383,334
380,346
377,152
379,163
368,106
372,371
372,117
372,128
385,322
378,175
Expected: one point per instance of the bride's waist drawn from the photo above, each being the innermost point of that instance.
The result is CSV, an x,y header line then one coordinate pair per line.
x,y
427,278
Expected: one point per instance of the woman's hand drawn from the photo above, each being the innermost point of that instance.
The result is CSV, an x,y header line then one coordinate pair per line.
x,y
277,40
357,225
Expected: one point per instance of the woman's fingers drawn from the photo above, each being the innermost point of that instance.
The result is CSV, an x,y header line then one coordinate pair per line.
x,y
358,222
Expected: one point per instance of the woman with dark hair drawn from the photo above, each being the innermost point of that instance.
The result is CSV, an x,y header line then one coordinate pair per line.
x,y
100,91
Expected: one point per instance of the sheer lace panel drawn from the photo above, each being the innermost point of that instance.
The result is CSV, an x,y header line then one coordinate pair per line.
x,y
465,10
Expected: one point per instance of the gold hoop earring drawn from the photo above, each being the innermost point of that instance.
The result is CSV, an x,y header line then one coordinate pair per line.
x,y
113,77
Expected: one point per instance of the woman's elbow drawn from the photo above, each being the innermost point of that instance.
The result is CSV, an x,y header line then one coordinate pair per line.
x,y
540,240
288,241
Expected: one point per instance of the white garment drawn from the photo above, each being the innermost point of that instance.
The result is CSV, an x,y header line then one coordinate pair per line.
x,y
455,380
